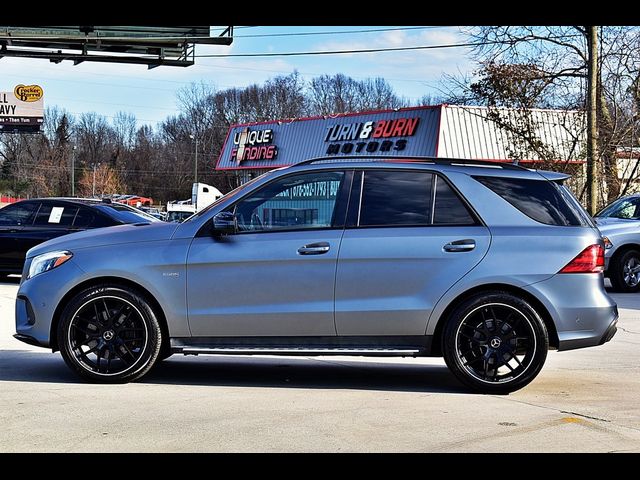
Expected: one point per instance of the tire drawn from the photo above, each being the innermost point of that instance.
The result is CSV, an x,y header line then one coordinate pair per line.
x,y
621,272
496,357
109,334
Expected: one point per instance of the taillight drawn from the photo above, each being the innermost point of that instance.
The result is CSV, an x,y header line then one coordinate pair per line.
x,y
590,260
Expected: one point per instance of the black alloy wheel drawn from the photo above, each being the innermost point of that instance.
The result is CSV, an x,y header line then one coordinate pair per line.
x,y
495,343
109,334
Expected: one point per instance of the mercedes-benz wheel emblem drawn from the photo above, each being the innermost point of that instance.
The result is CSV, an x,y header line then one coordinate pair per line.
x,y
108,335
495,342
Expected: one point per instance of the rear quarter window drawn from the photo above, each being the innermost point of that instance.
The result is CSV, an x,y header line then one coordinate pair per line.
x,y
541,200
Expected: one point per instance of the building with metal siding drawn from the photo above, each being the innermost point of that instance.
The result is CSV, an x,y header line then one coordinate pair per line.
x,y
492,134
441,131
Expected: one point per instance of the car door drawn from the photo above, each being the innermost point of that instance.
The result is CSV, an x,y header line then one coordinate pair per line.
x,y
408,240
13,219
276,275
52,220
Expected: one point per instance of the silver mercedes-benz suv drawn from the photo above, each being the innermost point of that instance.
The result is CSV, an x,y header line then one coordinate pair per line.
x,y
488,265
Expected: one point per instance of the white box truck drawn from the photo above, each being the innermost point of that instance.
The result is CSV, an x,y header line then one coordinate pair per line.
x,y
202,195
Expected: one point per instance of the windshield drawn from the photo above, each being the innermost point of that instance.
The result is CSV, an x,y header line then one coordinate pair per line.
x,y
233,193
624,208
178,216
126,214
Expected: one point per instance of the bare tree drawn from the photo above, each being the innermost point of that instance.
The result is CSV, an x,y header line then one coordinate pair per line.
x,y
101,180
549,67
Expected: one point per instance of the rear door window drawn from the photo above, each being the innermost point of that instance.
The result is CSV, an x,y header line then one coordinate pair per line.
x,y
540,200
395,198
449,207
53,215
88,218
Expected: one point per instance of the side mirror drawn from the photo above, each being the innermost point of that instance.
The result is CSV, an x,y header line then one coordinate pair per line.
x,y
224,223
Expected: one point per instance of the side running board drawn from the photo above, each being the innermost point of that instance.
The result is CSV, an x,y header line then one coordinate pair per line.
x,y
384,346
386,352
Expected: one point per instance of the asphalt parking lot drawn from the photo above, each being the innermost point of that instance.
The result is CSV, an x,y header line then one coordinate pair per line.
x,y
582,401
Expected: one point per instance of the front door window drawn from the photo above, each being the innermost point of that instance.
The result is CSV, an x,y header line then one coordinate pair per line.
x,y
296,202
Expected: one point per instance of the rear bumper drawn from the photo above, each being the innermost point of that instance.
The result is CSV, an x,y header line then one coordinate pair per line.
x,y
583,313
611,331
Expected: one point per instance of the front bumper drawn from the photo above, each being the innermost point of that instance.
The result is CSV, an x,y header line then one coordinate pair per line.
x,y
37,300
28,340
607,260
582,311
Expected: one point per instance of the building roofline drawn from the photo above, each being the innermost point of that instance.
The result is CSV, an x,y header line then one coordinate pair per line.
x,y
446,105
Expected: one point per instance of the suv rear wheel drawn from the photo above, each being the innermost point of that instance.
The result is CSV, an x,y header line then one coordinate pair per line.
x,y
495,342
109,334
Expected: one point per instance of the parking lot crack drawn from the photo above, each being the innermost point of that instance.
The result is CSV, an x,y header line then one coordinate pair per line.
x,y
628,331
585,416
565,412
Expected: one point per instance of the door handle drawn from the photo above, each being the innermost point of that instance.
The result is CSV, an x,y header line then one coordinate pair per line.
x,y
465,245
314,249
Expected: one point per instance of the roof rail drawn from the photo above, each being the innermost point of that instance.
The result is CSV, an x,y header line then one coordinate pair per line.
x,y
416,159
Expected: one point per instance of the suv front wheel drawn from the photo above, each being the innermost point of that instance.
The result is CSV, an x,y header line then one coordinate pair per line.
x,y
625,272
495,342
109,334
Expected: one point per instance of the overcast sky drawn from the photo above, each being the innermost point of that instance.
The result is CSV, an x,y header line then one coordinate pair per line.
x,y
151,94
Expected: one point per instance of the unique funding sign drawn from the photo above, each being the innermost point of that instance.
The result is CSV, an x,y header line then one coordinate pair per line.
x,y
253,145
22,110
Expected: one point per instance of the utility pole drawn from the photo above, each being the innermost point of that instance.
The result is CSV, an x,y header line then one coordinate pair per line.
x,y
94,181
195,163
592,120
73,168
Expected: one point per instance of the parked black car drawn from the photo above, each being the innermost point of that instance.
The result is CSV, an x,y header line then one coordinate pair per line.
x,y
27,223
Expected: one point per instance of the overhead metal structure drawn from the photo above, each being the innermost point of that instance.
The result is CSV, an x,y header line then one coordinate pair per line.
x,y
152,46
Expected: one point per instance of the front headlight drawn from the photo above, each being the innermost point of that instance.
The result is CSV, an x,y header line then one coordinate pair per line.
x,y
47,261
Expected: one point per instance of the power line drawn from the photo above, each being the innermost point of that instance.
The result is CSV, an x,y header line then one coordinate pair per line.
x,y
335,32
65,168
191,82
340,52
235,28
367,50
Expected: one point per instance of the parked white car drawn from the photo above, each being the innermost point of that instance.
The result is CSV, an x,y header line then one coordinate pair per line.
x,y
619,223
